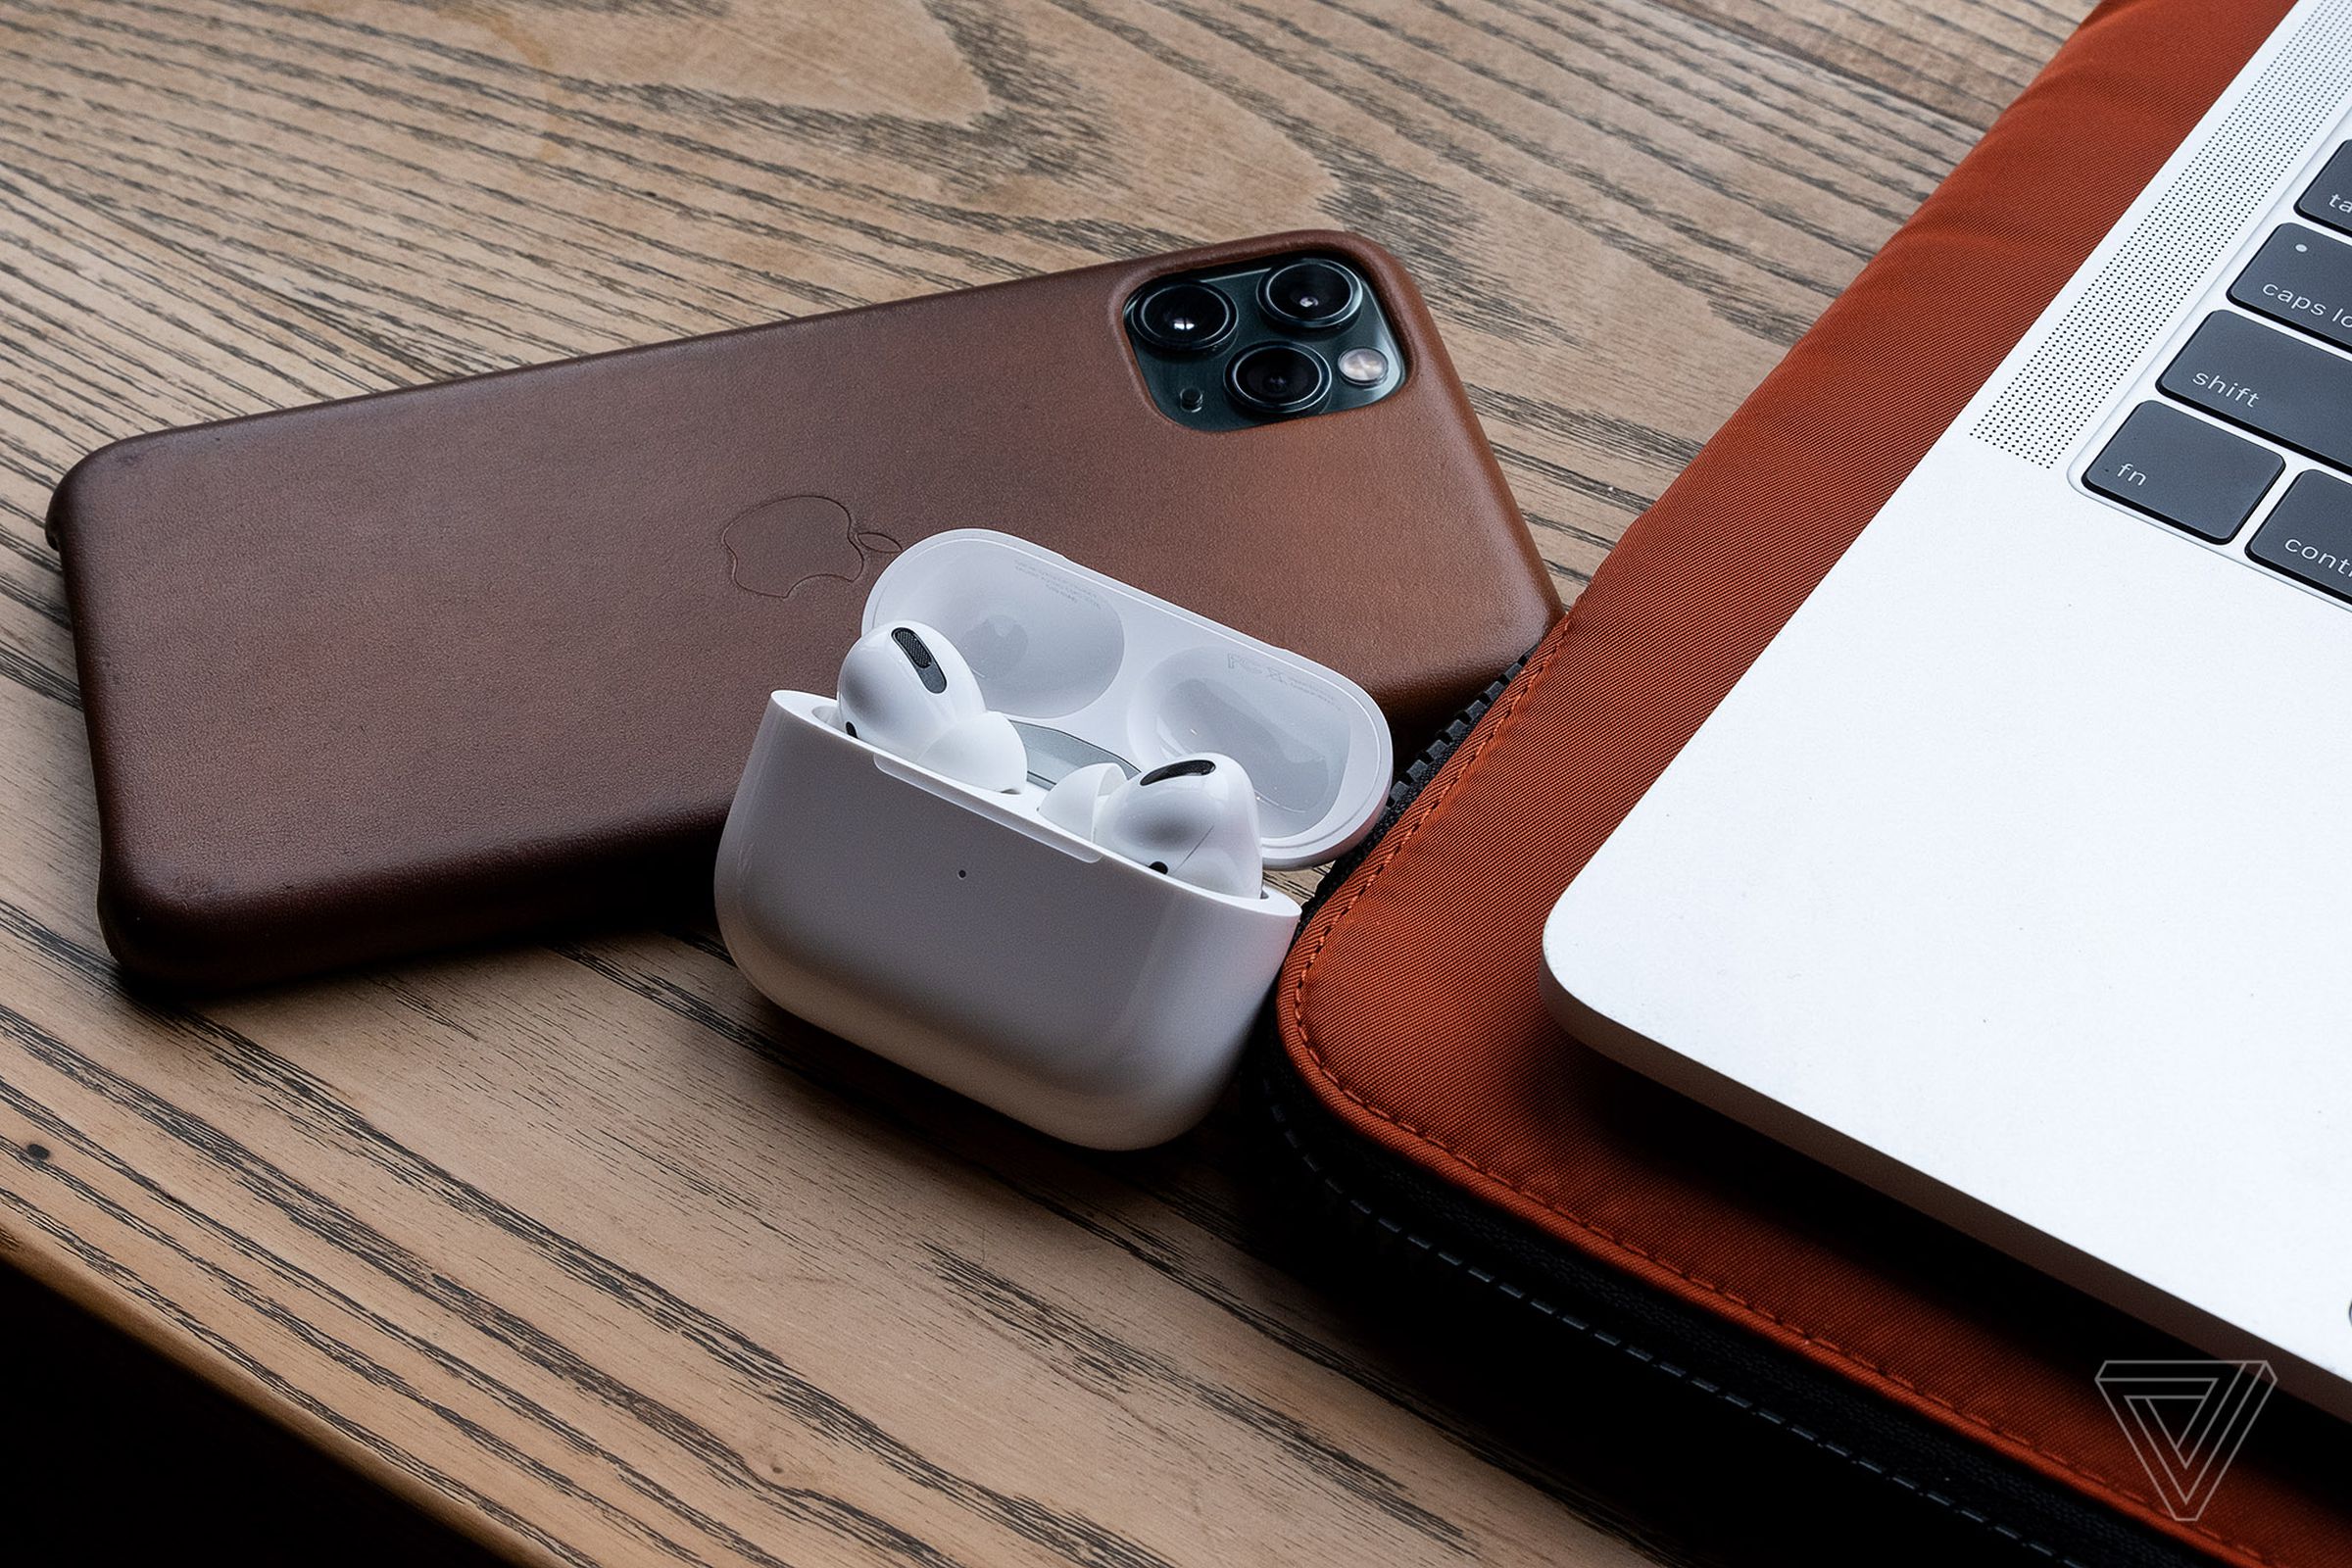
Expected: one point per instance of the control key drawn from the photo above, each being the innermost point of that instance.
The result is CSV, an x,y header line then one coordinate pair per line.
x,y
2308,534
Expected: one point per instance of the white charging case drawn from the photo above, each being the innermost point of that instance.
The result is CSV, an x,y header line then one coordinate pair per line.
x,y
961,935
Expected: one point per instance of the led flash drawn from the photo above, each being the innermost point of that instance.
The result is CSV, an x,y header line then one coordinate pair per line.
x,y
1363,367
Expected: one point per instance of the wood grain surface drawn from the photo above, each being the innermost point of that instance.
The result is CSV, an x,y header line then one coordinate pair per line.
x,y
586,1248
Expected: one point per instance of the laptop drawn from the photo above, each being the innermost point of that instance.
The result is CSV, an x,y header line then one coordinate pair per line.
x,y
2015,877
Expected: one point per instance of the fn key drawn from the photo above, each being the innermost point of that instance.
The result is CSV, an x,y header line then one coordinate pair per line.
x,y
2192,475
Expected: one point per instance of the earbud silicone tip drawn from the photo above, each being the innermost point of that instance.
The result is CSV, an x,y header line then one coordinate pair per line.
x,y
982,751
1073,802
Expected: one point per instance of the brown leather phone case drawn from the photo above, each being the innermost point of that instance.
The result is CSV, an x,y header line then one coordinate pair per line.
x,y
459,661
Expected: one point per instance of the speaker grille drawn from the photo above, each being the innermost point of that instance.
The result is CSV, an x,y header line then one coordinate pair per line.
x,y
2144,282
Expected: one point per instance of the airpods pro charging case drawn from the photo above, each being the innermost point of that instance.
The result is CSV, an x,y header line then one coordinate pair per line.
x,y
961,935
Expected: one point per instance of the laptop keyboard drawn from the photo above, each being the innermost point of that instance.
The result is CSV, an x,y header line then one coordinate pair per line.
x,y
2279,378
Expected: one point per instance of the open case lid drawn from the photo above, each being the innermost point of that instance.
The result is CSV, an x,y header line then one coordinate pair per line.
x,y
1057,646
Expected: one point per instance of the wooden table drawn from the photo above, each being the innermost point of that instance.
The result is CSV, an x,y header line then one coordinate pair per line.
x,y
586,1248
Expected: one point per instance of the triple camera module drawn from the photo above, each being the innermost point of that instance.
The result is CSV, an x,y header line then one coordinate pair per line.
x,y
1269,340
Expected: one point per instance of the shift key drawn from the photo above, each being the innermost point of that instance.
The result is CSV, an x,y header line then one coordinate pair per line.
x,y
2296,393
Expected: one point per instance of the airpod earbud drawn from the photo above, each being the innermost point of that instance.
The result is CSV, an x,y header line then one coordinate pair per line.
x,y
1195,818
906,690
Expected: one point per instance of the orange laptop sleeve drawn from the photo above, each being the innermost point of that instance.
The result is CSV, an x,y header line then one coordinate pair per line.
x,y
1421,1087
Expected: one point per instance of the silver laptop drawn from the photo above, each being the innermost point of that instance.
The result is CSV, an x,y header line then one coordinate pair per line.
x,y
2016,876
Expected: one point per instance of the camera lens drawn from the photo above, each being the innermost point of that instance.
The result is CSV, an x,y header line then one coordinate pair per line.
x,y
1313,296
1278,379
1185,318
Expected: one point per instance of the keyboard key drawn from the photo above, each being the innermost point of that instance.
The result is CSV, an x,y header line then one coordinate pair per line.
x,y
2176,466
2296,393
2329,199
2308,534
2304,278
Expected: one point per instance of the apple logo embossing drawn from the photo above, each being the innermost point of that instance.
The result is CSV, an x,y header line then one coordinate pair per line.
x,y
779,546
